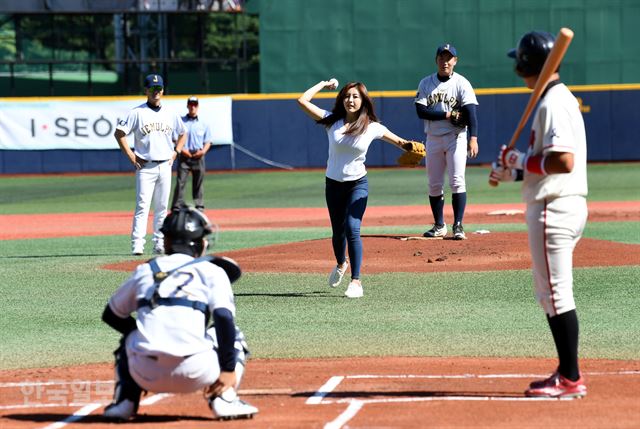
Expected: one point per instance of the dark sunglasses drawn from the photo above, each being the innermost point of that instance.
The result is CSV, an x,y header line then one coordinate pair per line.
x,y
156,88
192,103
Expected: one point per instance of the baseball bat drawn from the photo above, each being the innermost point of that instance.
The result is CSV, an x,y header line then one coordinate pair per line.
x,y
563,39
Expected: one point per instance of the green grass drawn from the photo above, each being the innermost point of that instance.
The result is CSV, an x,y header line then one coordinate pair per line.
x,y
101,193
54,290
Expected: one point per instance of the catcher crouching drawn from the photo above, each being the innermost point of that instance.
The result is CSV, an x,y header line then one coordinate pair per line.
x,y
171,346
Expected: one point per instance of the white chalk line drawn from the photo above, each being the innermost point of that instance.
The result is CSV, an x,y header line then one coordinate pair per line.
x,y
355,405
444,398
472,376
88,409
327,388
78,415
79,382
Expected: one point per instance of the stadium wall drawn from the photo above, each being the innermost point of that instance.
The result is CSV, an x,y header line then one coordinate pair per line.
x,y
390,45
272,126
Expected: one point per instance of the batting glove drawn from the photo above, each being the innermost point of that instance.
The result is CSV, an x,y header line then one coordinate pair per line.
x,y
512,158
501,174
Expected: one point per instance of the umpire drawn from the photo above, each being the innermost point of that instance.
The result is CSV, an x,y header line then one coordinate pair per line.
x,y
191,158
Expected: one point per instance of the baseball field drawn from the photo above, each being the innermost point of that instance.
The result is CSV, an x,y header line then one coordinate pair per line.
x,y
447,335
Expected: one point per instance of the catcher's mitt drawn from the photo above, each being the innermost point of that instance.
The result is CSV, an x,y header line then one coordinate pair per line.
x,y
459,118
413,155
229,266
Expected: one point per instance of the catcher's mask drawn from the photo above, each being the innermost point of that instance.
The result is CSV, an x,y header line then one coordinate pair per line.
x,y
187,229
531,53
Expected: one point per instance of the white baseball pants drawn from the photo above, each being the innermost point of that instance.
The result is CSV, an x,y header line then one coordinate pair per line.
x,y
446,153
153,184
555,226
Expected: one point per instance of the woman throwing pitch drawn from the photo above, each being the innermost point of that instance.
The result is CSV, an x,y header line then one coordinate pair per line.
x,y
351,127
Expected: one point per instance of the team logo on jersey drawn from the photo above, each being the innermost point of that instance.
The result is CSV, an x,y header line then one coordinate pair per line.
x,y
156,127
122,122
442,97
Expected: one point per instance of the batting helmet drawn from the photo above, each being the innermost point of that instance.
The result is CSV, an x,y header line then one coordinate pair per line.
x,y
186,229
531,53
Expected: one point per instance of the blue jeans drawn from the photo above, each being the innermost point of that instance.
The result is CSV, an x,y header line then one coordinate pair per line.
x,y
347,202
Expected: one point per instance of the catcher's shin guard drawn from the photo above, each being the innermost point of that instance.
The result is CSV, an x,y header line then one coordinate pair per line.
x,y
126,394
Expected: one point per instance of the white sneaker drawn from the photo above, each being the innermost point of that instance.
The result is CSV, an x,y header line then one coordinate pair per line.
x,y
123,410
458,232
137,250
354,290
436,231
228,407
158,250
337,273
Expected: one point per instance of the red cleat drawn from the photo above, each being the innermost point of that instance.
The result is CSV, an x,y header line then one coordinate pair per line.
x,y
557,386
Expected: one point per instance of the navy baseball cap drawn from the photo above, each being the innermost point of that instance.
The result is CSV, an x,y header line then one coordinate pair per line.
x,y
192,100
447,47
153,80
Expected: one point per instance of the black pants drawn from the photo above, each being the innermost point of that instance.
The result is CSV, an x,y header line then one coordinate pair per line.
x,y
197,169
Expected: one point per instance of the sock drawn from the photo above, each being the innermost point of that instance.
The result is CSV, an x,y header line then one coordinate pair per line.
x,y
437,208
459,202
564,328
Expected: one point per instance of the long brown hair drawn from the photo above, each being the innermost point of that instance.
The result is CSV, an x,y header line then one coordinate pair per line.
x,y
366,114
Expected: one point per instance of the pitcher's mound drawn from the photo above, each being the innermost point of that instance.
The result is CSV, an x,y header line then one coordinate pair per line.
x,y
394,253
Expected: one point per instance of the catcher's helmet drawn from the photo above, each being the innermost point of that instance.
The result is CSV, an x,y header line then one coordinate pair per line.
x,y
186,229
531,53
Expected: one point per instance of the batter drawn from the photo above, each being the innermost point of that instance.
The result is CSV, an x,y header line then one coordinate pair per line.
x,y
440,98
154,128
554,169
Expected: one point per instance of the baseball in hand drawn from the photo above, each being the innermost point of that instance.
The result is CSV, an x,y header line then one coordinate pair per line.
x,y
333,82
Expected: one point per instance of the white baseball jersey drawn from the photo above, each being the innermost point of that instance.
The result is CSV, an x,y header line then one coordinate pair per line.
x,y
154,131
557,127
347,153
556,204
444,97
173,330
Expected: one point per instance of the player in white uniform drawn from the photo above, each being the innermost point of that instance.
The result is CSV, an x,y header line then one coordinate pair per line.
x,y
555,189
351,127
154,128
447,104
169,347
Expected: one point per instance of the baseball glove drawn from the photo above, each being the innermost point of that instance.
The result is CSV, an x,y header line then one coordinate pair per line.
x,y
229,266
459,118
413,155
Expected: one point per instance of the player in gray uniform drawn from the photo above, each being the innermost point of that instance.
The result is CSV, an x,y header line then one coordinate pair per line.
x,y
154,128
554,168
446,102
169,346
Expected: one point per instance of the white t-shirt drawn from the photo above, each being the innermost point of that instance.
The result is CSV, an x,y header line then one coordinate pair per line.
x,y
347,153
557,126
444,97
154,132
173,330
